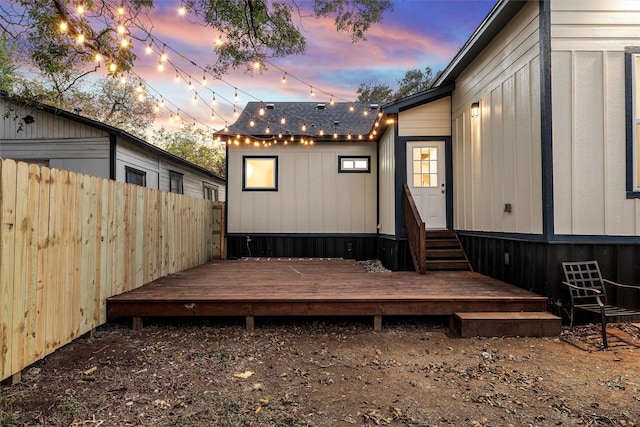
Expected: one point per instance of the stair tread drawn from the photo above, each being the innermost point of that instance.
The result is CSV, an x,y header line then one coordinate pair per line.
x,y
506,315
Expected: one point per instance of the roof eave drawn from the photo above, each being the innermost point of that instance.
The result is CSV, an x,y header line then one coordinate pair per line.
x,y
494,22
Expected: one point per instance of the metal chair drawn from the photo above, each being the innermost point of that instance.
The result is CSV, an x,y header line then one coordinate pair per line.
x,y
588,292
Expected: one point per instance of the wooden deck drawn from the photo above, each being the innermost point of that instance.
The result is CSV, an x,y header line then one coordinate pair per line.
x,y
303,287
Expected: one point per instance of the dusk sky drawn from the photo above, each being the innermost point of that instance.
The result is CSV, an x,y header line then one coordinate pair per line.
x,y
417,34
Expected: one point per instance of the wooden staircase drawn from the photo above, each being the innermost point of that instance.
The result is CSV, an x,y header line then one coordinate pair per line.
x,y
444,252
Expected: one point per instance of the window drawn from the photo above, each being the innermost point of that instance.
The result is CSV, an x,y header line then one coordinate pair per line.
x,y
357,164
175,182
259,173
632,60
425,167
135,176
210,192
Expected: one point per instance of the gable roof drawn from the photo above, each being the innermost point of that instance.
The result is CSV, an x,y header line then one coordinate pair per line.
x,y
112,130
342,118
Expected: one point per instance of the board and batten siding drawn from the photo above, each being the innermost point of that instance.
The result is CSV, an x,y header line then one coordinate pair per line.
x,y
496,156
312,196
387,183
588,38
431,119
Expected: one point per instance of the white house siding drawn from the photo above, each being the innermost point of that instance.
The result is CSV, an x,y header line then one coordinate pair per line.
x,y
65,144
588,41
496,156
192,182
129,155
312,196
432,119
387,182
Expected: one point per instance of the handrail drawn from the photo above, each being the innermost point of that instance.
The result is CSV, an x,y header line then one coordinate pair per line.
x,y
416,232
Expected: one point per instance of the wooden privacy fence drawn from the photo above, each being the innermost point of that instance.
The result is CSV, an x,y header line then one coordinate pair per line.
x,y
69,241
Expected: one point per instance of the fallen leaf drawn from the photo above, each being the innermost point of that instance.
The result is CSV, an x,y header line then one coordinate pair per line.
x,y
244,375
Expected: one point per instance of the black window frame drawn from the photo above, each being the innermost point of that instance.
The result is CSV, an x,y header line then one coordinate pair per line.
x,y
341,158
129,171
244,174
180,176
632,143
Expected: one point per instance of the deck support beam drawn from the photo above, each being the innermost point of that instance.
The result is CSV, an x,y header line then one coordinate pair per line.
x,y
377,323
137,323
250,323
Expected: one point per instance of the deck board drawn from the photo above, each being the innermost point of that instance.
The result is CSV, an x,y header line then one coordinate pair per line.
x,y
281,287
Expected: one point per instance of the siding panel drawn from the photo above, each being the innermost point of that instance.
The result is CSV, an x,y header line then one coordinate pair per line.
x,y
588,41
387,183
432,119
496,155
312,196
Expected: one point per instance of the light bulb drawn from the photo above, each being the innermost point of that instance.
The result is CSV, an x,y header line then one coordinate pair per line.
x,y
304,127
284,78
257,65
123,80
113,67
121,10
235,97
149,49
283,120
335,135
213,101
124,43
80,39
182,10
235,112
98,57
64,26
177,79
312,92
213,115
190,85
252,122
226,127
156,108
268,130
195,98
160,66
141,97
80,9
121,29
321,132
163,56
360,137
204,80
331,100
139,88
162,102
366,113
349,137
261,111
351,108
219,41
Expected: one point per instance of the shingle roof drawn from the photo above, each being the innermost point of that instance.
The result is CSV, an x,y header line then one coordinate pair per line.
x,y
343,118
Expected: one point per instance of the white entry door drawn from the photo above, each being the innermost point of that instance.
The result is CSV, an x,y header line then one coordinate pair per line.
x,y
426,180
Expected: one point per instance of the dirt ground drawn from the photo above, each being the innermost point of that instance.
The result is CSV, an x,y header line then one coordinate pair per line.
x,y
328,372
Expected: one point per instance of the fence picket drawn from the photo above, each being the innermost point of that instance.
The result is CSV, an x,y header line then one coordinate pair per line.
x,y
68,242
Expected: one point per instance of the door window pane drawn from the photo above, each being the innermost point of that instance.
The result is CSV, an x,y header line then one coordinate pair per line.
x,y
425,166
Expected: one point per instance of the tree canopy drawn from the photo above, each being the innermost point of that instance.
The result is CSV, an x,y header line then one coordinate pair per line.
x,y
59,36
413,81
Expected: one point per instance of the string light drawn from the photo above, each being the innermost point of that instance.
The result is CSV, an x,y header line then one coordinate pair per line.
x,y
252,122
195,98
163,56
149,49
80,9
304,127
190,84
312,92
121,29
120,10
284,78
219,41
80,38
160,66
204,80
63,26
98,57
283,120
139,89
213,101
182,10
236,99
124,43
123,79
261,111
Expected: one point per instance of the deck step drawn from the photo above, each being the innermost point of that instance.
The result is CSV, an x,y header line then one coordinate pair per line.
x,y
444,252
507,324
447,264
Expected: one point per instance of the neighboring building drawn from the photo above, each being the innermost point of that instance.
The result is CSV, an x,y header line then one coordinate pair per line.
x,y
305,188
63,140
527,146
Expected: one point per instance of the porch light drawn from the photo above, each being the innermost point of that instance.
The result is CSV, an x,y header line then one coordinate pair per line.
x,y
475,109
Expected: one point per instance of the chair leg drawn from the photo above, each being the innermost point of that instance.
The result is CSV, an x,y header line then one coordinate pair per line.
x,y
604,328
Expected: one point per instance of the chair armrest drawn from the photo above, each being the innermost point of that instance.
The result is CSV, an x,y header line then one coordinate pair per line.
x,y
620,285
595,291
